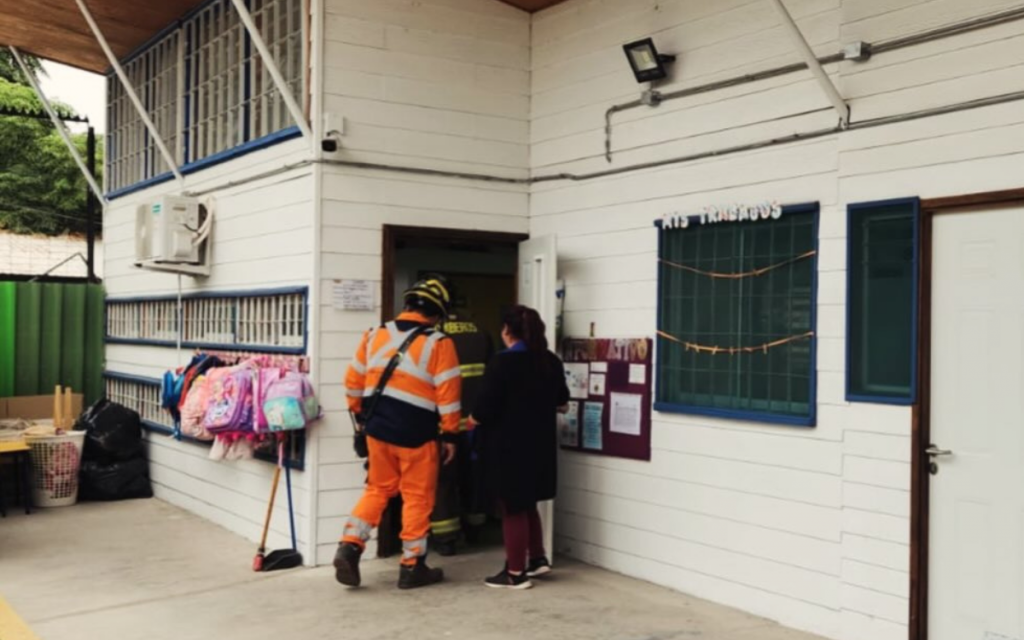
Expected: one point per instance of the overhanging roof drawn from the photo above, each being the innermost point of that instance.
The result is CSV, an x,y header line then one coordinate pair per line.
x,y
55,30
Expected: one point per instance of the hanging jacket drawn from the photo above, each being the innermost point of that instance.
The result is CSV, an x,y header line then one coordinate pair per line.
x,y
474,349
424,391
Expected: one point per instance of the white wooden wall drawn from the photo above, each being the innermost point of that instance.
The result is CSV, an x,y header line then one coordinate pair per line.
x,y
263,237
809,527
436,84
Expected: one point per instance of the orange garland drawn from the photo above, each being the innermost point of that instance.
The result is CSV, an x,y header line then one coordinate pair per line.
x,y
738,276
715,350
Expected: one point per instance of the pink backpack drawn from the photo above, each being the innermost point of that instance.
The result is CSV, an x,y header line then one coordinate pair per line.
x,y
290,403
231,401
196,403
262,379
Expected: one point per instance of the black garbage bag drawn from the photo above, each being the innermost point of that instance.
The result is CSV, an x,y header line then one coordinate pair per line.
x,y
113,433
125,480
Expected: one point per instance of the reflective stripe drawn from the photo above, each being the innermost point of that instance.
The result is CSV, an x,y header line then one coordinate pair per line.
x,y
441,378
405,366
413,549
449,408
357,528
358,367
445,526
356,393
473,370
408,398
428,350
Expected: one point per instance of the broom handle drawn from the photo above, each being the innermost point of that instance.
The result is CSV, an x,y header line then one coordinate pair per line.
x,y
270,507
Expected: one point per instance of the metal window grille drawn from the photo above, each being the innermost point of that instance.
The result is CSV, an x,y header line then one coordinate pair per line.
x,y
132,154
711,315
141,397
206,88
260,321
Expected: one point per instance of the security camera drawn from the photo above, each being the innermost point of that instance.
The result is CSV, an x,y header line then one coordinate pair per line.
x,y
331,143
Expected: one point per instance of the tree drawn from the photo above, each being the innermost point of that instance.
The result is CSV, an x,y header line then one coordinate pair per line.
x,y
11,72
41,188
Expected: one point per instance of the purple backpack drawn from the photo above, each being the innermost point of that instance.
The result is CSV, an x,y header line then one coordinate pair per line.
x,y
290,403
231,402
262,379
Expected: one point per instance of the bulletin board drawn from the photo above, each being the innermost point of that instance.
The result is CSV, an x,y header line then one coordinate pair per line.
x,y
609,397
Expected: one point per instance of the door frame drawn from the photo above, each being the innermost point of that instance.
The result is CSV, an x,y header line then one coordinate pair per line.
x,y
393,233
920,484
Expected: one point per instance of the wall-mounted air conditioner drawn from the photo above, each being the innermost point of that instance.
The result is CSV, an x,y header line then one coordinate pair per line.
x,y
172,234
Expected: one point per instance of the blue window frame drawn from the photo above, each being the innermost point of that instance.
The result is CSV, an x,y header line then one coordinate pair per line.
x,y
882,301
737,316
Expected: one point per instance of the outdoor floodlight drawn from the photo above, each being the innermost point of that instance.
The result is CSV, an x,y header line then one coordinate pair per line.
x,y
648,65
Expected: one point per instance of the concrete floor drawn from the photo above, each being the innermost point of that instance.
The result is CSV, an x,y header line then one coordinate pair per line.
x,y
146,570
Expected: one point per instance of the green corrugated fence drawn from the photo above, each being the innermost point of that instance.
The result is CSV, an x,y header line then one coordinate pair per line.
x,y
51,334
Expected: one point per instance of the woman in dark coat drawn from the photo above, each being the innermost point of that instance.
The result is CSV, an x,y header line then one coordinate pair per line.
x,y
516,412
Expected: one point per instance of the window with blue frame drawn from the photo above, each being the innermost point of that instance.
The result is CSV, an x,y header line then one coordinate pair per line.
x,y
736,316
206,89
882,301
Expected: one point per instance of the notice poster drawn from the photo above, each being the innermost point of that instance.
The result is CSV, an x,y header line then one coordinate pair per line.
x,y
577,376
592,418
353,295
569,426
610,382
626,413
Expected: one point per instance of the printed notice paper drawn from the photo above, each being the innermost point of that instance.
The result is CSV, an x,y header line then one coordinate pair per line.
x,y
592,412
569,428
637,374
577,377
597,384
353,295
598,367
626,413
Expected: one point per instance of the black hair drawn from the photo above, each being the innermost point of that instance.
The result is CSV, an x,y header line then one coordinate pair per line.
x,y
524,323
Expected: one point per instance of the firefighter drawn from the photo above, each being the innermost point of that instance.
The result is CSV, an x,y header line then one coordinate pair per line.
x,y
402,432
459,488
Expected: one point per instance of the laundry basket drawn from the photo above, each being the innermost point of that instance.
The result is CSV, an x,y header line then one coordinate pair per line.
x,y
55,463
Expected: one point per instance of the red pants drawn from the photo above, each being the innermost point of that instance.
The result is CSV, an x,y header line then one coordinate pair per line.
x,y
524,537
394,470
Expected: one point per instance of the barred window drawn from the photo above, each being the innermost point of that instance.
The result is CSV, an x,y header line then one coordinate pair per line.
x,y
206,88
132,154
736,318
266,321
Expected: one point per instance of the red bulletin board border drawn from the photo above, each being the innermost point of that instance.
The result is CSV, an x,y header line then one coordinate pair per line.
x,y
620,357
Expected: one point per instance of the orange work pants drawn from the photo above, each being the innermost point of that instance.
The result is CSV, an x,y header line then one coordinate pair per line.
x,y
394,470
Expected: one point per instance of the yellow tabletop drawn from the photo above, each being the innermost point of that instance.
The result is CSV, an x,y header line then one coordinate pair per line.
x,y
15,446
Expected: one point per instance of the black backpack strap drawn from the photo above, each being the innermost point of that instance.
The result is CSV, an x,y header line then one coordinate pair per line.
x,y
396,359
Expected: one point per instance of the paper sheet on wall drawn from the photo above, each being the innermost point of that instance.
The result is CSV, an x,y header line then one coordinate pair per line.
x,y
598,367
598,384
592,413
626,413
353,295
577,376
637,374
569,427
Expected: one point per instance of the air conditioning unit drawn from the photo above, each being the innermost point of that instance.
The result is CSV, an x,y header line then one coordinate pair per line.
x,y
172,234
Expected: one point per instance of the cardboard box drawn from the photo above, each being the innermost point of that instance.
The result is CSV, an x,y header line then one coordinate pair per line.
x,y
35,407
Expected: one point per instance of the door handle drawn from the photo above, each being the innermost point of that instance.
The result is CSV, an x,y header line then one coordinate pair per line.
x,y
936,452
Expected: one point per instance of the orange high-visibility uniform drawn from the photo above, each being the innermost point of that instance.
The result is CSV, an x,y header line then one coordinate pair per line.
x,y
422,394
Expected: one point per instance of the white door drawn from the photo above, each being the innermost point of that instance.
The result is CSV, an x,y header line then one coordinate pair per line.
x,y
976,563
538,283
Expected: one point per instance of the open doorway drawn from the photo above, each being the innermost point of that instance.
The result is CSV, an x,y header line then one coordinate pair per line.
x,y
482,268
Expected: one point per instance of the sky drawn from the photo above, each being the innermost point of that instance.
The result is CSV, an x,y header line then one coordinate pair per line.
x,y
84,91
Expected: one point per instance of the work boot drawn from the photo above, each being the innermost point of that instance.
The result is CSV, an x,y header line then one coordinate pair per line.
x,y
418,575
346,564
446,548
